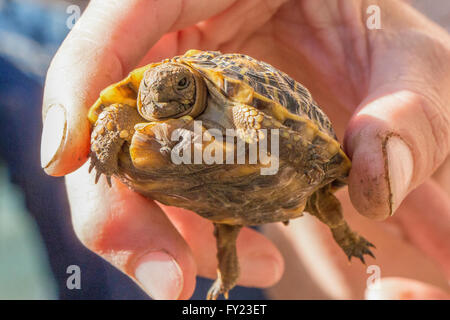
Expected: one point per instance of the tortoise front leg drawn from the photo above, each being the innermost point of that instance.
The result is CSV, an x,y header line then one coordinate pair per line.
x,y
114,126
228,269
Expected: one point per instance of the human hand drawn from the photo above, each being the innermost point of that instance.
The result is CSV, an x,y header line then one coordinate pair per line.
x,y
389,77
412,255
322,44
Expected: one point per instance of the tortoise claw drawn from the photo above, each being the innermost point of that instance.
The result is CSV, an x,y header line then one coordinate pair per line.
x,y
96,164
359,249
97,176
91,166
215,291
108,180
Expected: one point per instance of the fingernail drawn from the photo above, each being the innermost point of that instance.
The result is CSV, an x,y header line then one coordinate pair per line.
x,y
400,166
53,134
160,275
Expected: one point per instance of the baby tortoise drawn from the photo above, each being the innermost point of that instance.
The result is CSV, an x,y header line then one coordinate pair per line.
x,y
135,118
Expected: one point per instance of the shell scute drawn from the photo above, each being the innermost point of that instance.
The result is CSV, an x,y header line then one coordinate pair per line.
x,y
230,72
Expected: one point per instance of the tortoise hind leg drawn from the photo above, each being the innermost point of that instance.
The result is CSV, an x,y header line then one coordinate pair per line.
x,y
228,269
327,208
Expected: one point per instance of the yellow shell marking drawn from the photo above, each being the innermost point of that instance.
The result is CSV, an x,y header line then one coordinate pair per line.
x,y
284,134
295,212
194,52
243,71
124,91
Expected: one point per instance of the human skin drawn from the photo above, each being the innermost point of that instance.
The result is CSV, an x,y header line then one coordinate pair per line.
x,y
385,91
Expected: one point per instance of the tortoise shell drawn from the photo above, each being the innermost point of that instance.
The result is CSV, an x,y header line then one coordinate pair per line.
x,y
134,119
236,73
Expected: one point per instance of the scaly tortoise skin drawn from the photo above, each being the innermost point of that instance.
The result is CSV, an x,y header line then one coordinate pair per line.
x,y
133,121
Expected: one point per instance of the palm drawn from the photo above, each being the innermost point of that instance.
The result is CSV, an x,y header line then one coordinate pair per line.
x,y
299,39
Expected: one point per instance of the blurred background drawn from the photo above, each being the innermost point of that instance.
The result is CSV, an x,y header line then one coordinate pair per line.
x,y
37,242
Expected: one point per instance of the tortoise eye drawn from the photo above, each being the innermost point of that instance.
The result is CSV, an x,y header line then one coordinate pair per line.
x,y
183,83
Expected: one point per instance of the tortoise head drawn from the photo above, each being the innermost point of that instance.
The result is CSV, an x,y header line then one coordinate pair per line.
x,y
171,90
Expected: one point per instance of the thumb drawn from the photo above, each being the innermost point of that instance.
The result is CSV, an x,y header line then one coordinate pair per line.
x,y
396,140
97,52
404,289
109,40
